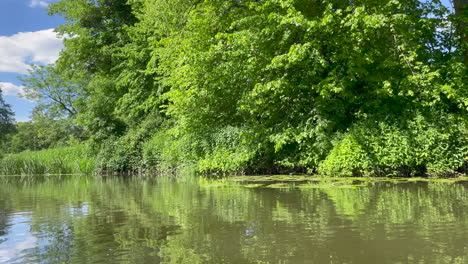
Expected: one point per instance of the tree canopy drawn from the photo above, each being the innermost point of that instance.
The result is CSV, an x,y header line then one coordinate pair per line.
x,y
6,118
337,87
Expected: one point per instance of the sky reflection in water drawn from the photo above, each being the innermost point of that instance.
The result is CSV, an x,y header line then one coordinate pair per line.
x,y
76,219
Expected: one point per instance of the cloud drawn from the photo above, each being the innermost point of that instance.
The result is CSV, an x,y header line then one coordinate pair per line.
x,y
11,89
18,50
38,3
14,90
16,250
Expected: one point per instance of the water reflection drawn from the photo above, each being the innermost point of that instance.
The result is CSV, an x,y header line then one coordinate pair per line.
x,y
135,220
17,242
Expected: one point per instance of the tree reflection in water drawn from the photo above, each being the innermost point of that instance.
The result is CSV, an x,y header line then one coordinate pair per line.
x,y
77,219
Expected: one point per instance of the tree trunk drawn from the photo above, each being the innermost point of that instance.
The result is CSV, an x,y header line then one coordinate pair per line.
x,y
458,4
461,7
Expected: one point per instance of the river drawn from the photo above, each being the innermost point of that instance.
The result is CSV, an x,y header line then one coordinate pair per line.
x,y
86,219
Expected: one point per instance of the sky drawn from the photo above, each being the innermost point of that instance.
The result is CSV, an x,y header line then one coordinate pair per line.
x,y
26,36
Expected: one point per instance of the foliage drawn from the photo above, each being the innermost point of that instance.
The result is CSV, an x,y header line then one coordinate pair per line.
x,y
418,146
293,74
108,53
226,152
43,133
263,85
6,118
56,92
167,152
126,153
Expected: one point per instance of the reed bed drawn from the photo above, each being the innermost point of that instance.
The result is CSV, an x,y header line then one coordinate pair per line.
x,y
78,159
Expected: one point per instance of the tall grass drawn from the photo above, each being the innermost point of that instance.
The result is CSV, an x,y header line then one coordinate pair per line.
x,y
64,160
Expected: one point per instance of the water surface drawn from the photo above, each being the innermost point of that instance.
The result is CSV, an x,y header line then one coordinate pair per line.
x,y
78,219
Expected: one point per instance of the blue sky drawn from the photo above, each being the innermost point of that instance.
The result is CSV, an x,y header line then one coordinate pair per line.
x,y
26,36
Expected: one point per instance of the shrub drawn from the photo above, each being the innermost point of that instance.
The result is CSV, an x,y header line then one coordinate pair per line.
x,y
226,152
165,151
125,153
423,145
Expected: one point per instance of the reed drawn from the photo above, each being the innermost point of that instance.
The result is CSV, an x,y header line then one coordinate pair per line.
x,y
78,159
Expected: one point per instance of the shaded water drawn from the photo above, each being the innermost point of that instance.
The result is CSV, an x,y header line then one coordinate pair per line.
x,y
73,219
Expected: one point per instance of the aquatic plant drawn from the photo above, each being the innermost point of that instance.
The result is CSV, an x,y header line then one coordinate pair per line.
x,y
65,160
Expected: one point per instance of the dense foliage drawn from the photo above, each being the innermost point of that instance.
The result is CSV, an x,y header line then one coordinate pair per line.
x,y
7,125
6,118
335,87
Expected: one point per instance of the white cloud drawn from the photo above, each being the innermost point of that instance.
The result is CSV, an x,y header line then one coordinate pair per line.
x,y
18,50
15,251
14,90
11,89
38,3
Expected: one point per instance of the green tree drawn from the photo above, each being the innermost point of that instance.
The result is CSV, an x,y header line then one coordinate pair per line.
x,y
55,92
294,75
111,57
110,52
268,84
7,124
58,94
42,133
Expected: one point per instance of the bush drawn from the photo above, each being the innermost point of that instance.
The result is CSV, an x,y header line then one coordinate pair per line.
x,y
226,152
126,153
167,152
424,145
220,152
117,154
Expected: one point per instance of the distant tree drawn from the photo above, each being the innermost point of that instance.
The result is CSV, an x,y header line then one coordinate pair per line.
x,y
7,125
43,132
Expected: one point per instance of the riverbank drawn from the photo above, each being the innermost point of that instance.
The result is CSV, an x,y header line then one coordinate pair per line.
x,y
81,159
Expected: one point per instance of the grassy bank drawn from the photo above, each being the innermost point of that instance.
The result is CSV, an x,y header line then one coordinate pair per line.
x,y
63,160
123,157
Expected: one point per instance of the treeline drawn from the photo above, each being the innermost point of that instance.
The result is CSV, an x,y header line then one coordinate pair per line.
x,y
332,87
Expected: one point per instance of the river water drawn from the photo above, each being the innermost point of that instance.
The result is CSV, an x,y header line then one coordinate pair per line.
x,y
80,219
